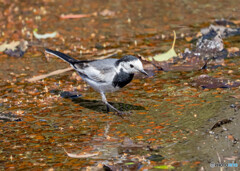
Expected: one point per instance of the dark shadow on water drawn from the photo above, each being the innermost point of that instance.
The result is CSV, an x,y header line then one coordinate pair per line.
x,y
96,105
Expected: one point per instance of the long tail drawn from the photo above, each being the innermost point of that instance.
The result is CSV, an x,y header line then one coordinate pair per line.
x,y
62,56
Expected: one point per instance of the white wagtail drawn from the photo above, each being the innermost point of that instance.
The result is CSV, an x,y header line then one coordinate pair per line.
x,y
107,75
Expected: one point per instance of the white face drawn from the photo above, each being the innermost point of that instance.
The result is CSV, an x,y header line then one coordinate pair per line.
x,y
132,66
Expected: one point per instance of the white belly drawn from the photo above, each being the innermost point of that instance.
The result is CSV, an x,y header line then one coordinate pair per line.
x,y
101,87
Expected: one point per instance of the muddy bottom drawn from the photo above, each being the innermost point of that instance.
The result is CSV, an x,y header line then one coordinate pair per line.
x,y
220,146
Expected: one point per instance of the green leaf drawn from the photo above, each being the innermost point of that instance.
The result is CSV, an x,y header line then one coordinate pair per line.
x,y
164,167
167,55
130,163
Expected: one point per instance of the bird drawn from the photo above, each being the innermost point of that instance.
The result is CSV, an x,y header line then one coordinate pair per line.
x,y
105,75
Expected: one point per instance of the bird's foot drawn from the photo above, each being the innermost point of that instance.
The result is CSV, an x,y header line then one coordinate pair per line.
x,y
122,114
117,112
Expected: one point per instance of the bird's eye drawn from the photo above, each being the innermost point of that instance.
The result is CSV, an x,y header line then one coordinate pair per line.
x,y
131,65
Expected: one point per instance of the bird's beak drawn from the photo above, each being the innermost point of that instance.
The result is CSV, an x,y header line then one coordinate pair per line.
x,y
143,72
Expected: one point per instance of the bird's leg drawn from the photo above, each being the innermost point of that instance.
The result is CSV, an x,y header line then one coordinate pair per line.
x,y
108,105
107,109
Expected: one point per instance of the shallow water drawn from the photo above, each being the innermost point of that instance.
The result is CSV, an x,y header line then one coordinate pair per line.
x,y
168,115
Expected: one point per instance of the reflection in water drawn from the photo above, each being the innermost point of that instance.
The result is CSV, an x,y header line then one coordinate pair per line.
x,y
96,105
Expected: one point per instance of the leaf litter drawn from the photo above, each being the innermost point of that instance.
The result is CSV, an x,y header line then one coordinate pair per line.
x,y
205,81
15,48
43,99
208,53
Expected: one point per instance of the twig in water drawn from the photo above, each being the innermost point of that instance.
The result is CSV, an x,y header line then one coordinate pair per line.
x,y
220,161
60,71
106,131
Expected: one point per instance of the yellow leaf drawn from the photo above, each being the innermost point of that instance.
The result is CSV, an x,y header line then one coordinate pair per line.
x,y
167,55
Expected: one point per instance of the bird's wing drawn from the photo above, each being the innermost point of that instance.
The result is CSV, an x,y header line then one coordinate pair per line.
x,y
98,71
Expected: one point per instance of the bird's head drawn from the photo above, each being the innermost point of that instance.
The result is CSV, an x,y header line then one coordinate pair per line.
x,y
130,64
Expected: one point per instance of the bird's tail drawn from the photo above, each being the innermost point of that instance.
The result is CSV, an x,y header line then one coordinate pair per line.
x,y
62,56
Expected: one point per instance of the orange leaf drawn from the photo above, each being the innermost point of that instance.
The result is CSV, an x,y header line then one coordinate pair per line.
x,y
39,137
230,137
151,139
158,127
142,113
147,131
139,137
197,162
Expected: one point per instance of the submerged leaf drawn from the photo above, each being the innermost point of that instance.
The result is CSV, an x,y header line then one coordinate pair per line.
x,y
84,155
130,163
164,167
167,55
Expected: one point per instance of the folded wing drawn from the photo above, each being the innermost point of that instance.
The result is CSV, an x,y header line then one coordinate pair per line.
x,y
101,71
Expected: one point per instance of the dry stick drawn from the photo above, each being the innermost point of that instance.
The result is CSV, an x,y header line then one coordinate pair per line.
x,y
106,131
60,71
109,55
220,161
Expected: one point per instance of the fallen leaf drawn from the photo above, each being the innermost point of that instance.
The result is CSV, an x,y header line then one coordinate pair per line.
x,y
188,39
81,155
147,131
230,137
159,127
139,137
167,55
130,163
197,162
164,167
236,22
11,46
233,49
107,12
15,48
44,36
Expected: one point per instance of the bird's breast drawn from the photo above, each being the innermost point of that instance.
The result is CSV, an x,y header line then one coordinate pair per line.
x,y
122,78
